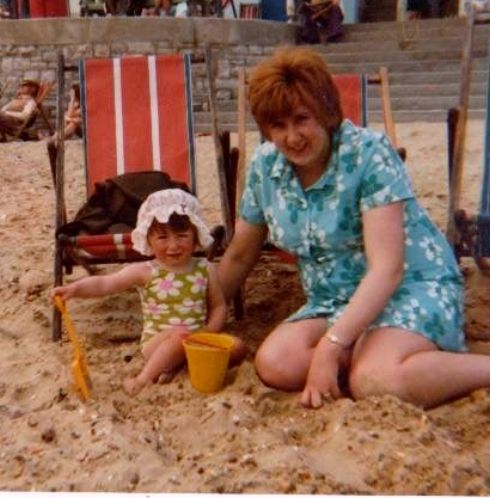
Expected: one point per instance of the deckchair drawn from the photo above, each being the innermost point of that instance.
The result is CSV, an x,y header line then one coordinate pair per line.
x,y
468,233
45,88
137,118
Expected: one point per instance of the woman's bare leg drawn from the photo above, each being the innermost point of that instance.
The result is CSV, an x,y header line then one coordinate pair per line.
x,y
405,364
283,359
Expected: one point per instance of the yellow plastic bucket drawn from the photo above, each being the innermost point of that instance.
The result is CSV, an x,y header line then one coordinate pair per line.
x,y
207,356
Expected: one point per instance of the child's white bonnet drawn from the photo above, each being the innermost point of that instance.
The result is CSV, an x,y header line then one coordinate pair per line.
x,y
160,206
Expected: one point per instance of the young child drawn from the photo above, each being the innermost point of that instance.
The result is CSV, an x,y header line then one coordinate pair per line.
x,y
179,293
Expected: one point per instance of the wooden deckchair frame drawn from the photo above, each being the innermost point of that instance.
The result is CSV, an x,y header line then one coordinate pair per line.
x,y
3,88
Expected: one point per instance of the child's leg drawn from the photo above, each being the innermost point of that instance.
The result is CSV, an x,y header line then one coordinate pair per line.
x,y
163,354
238,352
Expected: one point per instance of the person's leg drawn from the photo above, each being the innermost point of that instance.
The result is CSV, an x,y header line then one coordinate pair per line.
x,y
406,365
70,130
334,24
238,352
8,124
163,355
283,359
111,7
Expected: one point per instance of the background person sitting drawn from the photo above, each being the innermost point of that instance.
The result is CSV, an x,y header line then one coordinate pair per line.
x,y
73,125
21,107
320,20
73,116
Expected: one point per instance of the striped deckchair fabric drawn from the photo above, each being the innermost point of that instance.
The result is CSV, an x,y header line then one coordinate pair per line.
x,y
250,10
353,96
137,113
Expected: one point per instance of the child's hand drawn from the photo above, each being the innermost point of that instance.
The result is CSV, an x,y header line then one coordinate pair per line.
x,y
65,291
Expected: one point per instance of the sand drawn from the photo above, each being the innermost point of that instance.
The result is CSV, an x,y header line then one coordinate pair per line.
x,y
245,439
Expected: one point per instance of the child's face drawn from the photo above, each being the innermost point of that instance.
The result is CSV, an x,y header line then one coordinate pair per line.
x,y
171,247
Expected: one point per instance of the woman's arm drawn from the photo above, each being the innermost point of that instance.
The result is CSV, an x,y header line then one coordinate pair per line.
x,y
240,256
384,246
217,308
103,285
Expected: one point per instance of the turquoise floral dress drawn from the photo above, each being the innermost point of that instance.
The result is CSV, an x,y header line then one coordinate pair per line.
x,y
322,226
174,299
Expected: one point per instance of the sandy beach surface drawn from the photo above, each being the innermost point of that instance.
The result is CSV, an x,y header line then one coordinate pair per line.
x,y
245,439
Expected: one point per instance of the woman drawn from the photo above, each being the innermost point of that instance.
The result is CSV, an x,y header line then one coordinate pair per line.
x,y
384,293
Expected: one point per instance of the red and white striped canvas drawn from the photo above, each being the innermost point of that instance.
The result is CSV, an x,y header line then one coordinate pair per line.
x,y
352,99
137,113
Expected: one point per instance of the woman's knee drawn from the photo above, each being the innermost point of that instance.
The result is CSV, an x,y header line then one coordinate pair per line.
x,y
275,371
368,379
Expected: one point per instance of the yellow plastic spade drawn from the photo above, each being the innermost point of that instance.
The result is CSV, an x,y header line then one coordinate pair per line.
x,y
79,363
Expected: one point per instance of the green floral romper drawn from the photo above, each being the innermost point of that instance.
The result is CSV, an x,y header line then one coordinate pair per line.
x,y
170,299
322,226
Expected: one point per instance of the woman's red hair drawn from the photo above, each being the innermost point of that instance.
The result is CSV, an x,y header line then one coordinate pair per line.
x,y
292,77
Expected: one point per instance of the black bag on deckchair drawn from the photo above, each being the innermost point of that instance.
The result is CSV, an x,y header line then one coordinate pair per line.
x,y
113,206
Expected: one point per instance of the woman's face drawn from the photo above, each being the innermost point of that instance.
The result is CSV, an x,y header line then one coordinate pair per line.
x,y
302,139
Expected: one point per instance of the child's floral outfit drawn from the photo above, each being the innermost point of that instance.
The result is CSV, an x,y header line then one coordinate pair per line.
x,y
170,299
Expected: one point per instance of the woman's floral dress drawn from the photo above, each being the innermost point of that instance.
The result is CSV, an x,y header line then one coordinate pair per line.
x,y
322,226
170,299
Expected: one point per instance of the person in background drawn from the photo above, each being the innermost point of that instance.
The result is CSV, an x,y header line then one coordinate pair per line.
x,y
384,307
72,126
21,107
320,21
162,8
418,9
5,10
73,116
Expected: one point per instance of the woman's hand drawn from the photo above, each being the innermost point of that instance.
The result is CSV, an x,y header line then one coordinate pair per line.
x,y
322,375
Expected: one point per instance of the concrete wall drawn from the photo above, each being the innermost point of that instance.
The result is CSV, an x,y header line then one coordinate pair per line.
x,y
29,47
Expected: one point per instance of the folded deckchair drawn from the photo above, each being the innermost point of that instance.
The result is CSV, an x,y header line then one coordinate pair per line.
x,y
468,233
45,88
138,136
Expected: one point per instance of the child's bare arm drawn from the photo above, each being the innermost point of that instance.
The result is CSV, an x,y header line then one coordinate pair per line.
x,y
217,309
103,285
